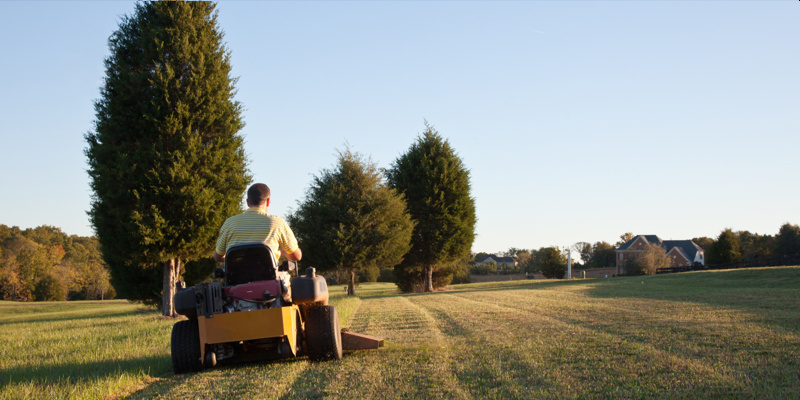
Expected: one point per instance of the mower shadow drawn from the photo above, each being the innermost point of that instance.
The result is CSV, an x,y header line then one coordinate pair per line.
x,y
310,383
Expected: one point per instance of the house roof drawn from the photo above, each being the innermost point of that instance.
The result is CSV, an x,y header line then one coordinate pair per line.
x,y
688,247
649,238
499,260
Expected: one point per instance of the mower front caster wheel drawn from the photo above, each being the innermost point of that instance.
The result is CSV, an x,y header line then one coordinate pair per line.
x,y
185,347
323,335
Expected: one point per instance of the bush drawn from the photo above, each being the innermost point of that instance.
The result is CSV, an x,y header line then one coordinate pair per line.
x,y
461,273
49,288
110,294
647,262
369,274
410,279
483,269
387,275
505,269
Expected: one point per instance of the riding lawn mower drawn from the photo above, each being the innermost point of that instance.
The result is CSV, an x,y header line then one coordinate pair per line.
x,y
256,312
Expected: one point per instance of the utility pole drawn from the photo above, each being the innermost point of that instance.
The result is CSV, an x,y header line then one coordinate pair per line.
x,y
569,263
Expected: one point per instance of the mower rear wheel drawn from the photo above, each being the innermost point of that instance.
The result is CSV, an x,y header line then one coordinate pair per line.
x,y
185,347
323,336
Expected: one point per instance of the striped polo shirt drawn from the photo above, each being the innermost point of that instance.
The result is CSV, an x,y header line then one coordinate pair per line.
x,y
256,226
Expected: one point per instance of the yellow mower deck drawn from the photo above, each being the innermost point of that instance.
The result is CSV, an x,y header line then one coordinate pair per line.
x,y
250,325
268,323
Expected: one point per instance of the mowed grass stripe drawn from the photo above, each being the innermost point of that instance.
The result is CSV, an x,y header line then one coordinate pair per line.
x,y
416,362
641,358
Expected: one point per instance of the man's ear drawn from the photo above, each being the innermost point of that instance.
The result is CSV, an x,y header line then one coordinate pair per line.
x,y
268,199
248,203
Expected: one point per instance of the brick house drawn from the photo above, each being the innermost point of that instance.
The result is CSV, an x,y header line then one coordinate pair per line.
x,y
493,259
680,252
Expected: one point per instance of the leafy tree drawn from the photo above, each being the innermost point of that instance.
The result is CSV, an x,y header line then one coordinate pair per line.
x,y
787,241
551,262
625,238
725,249
603,255
351,220
755,246
12,287
648,261
584,249
480,256
28,256
436,186
166,162
513,251
523,257
704,242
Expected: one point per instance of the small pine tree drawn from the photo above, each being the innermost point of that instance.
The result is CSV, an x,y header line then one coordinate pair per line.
x,y
351,221
436,186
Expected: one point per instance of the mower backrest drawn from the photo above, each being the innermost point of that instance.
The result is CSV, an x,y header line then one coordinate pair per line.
x,y
249,262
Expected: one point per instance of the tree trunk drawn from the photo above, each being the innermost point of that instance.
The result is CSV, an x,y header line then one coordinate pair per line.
x,y
171,275
428,279
351,286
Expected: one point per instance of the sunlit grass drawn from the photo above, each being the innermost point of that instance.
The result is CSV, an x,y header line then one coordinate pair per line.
x,y
82,350
723,334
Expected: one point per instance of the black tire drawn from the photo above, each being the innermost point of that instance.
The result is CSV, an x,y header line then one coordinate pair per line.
x,y
186,347
323,336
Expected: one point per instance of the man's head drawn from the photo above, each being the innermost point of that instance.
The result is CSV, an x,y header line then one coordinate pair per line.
x,y
258,195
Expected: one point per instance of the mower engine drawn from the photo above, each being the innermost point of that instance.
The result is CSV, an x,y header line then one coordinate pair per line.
x,y
254,296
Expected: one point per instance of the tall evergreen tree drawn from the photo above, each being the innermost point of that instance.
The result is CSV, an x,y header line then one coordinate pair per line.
x,y
351,220
166,162
436,186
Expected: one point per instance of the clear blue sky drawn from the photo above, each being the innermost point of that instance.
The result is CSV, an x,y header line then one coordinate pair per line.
x,y
578,120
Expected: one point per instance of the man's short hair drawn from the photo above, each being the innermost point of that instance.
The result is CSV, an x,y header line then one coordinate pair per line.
x,y
258,194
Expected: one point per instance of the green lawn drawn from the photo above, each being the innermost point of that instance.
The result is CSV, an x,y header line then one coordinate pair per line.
x,y
723,334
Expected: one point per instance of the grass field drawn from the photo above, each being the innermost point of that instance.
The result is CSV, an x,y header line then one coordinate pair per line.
x,y
724,334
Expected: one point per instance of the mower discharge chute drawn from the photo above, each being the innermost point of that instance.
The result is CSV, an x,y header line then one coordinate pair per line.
x,y
257,313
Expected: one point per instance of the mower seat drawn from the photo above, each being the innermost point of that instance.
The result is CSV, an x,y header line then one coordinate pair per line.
x,y
249,262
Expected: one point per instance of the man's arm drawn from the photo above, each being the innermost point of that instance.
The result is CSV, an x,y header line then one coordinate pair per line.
x,y
293,256
219,257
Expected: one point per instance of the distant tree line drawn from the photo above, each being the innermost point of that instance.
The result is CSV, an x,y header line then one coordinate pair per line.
x,y
549,261
730,246
46,264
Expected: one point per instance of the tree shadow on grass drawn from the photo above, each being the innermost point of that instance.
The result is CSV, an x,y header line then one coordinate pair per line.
x,y
84,372
499,286
32,319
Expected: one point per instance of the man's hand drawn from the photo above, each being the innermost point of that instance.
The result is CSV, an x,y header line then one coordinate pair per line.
x,y
219,257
